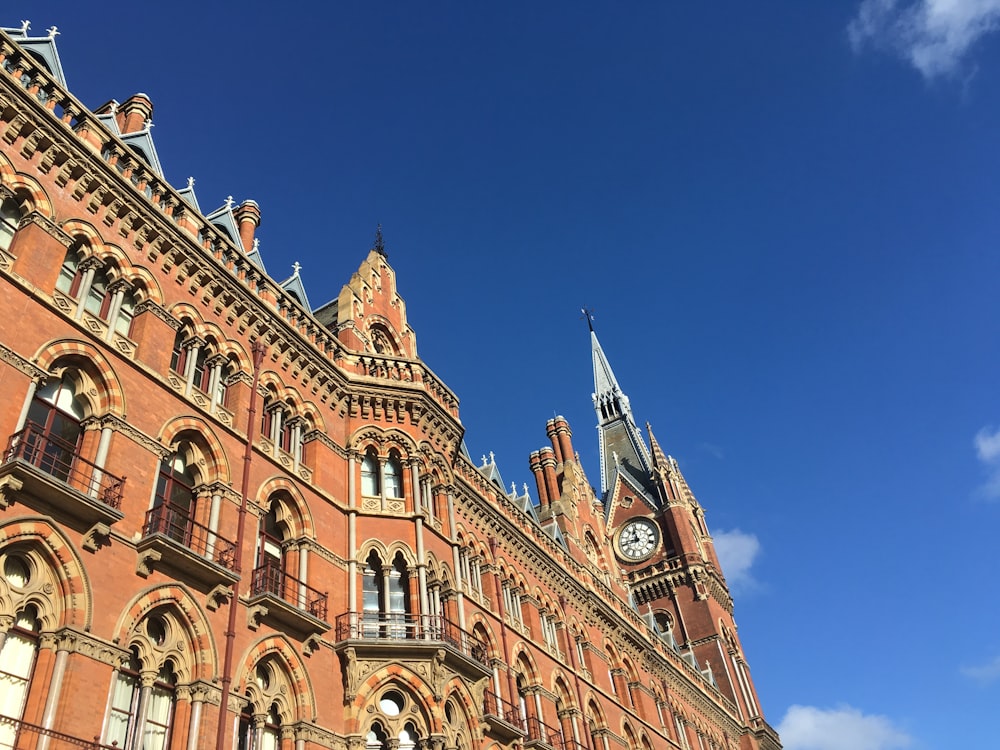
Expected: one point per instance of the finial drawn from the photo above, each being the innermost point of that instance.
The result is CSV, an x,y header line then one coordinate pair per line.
x,y
190,183
25,25
588,313
483,459
256,245
525,488
493,459
295,268
53,32
513,488
229,201
379,246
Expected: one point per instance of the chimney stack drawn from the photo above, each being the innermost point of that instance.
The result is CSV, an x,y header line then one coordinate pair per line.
x,y
248,217
135,114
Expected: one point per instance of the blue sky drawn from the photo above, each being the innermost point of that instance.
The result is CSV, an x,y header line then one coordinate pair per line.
x,y
784,215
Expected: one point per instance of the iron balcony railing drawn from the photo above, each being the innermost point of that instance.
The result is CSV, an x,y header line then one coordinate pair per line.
x,y
62,460
540,732
269,578
20,735
176,523
401,626
503,709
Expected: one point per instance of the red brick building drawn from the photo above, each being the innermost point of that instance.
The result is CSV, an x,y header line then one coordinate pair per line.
x,y
230,520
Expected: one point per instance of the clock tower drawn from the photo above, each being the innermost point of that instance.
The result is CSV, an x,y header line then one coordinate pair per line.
x,y
664,551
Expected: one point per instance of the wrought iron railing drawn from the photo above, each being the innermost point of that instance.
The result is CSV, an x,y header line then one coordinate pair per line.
x,y
61,459
269,578
501,708
540,732
20,735
394,626
176,523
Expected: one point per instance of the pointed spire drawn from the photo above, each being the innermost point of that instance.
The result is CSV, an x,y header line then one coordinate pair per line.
x,y
379,246
619,435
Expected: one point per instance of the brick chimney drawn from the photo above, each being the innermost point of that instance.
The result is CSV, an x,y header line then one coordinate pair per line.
x,y
135,114
248,217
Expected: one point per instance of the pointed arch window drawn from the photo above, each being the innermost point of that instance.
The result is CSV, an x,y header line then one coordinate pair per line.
x,y
10,217
17,662
173,502
54,431
393,477
370,484
386,597
179,353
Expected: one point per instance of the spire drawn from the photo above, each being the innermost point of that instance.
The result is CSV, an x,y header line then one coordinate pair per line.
x,y
622,447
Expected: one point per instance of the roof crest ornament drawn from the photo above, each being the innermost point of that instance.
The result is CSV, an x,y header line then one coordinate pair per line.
x,y
25,25
53,32
379,246
588,313
190,183
296,267
229,201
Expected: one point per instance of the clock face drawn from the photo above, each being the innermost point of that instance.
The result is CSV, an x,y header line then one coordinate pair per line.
x,y
638,539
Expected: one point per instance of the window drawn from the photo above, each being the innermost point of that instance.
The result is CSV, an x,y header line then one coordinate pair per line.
x,y
174,498
179,354
549,631
17,660
270,554
54,433
10,217
386,597
393,477
370,475
124,725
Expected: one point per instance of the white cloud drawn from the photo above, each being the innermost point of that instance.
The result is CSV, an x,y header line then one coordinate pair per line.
x,y
984,673
840,728
737,552
987,444
933,35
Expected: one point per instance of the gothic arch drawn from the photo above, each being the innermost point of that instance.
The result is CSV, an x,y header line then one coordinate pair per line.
x,y
100,387
212,464
70,603
293,510
299,703
401,678
198,660
30,191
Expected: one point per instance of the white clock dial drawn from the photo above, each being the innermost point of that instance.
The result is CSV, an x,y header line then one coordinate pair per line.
x,y
638,539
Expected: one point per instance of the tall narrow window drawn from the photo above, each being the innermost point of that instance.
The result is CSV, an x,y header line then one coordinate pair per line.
x,y
17,660
398,597
10,217
270,553
54,431
124,702
393,477
69,278
98,300
160,710
178,356
174,499
369,475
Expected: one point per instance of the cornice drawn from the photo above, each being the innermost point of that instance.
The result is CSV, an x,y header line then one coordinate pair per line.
x,y
21,364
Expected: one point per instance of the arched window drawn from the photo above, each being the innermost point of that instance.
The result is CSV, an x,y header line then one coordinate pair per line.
x,y
17,661
53,431
370,475
10,217
179,353
173,502
393,477
386,598
70,276
285,438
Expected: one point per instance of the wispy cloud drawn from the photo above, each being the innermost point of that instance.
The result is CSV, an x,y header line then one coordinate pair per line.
x,y
737,551
987,442
984,673
933,35
840,728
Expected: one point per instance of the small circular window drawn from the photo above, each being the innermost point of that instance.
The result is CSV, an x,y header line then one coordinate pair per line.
x,y
263,677
391,703
156,629
17,571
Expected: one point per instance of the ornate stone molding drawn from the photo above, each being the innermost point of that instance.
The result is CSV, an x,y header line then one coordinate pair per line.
x,y
157,311
78,642
119,425
21,364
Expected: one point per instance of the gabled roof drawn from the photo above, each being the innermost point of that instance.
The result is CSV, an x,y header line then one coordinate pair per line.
x,y
223,219
141,142
294,286
42,48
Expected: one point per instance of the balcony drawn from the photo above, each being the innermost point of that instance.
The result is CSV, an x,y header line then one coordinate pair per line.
x,y
504,721
171,537
291,603
50,474
21,735
543,736
401,635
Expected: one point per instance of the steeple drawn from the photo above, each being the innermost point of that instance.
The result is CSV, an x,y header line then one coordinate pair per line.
x,y
622,447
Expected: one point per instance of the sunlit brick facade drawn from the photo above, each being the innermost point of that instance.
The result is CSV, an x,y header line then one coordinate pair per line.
x,y
230,520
